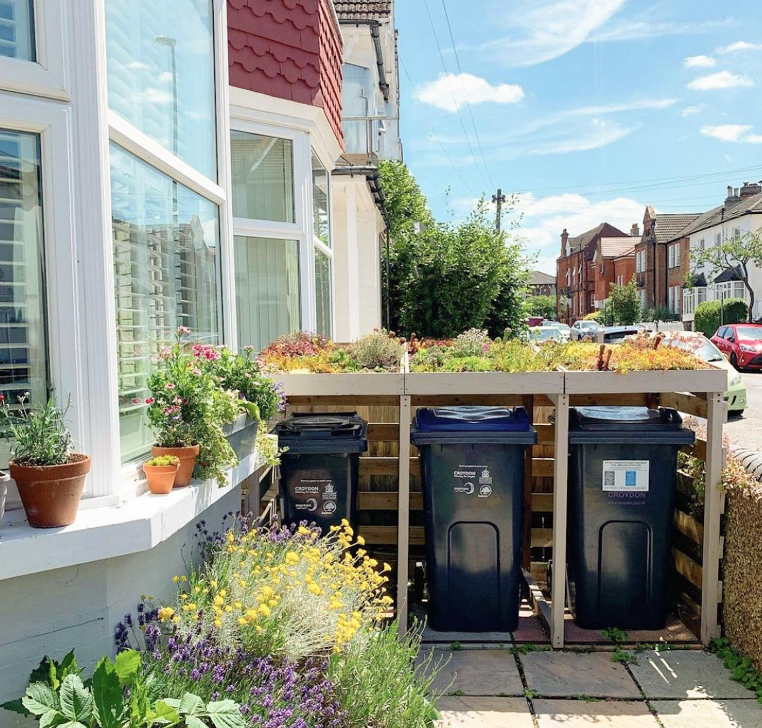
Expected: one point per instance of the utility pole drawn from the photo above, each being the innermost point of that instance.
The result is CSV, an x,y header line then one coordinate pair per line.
x,y
498,199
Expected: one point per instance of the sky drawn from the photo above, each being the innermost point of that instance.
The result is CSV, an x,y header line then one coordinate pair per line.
x,y
588,110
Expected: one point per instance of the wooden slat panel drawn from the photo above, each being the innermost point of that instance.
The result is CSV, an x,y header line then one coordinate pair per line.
x,y
542,467
684,403
386,535
387,501
386,466
349,401
383,431
687,567
689,527
545,433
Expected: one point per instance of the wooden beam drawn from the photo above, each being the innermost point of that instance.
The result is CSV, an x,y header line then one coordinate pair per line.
x,y
682,402
545,433
602,400
542,467
348,400
388,535
560,502
403,512
715,460
383,431
687,568
388,465
689,527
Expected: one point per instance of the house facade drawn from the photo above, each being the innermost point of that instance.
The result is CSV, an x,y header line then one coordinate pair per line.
x,y
541,284
168,163
613,259
575,272
662,260
740,213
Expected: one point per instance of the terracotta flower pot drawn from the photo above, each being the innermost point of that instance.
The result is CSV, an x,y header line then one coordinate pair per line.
x,y
50,493
161,478
187,457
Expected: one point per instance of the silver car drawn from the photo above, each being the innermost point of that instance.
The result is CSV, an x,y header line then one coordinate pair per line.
x,y
582,330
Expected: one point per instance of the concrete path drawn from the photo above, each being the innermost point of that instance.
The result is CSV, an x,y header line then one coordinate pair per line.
x,y
518,687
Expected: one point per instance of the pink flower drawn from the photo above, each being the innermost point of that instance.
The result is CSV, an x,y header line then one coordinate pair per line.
x,y
135,400
248,347
183,330
169,385
150,400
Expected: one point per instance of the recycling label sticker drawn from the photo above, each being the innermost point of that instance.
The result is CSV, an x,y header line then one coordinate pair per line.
x,y
626,476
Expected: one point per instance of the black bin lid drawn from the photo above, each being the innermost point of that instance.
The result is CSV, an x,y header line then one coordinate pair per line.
x,y
324,432
452,425
638,425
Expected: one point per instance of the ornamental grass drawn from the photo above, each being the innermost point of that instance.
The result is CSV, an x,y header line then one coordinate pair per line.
x,y
290,625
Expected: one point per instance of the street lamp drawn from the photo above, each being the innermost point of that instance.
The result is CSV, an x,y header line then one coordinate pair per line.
x,y
171,43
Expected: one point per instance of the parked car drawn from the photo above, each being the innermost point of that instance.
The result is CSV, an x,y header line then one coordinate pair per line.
x,y
583,329
705,350
541,334
741,344
563,328
615,334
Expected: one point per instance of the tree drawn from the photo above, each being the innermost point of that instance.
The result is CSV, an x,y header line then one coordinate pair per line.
x,y
405,203
544,306
625,303
736,255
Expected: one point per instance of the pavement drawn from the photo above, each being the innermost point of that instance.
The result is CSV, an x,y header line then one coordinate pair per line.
x,y
746,430
527,687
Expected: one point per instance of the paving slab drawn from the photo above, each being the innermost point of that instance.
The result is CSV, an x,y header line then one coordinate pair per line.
x,y
530,629
686,674
565,674
470,712
709,713
489,672
601,714
434,636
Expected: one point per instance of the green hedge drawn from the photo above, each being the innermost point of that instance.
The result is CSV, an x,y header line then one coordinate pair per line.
x,y
707,321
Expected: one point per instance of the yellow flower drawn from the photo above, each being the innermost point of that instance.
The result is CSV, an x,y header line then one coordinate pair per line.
x,y
217,622
265,610
303,531
292,557
238,605
259,629
166,613
175,619
218,601
213,582
175,578
251,615
361,541
183,578
242,621
228,608
183,596
314,589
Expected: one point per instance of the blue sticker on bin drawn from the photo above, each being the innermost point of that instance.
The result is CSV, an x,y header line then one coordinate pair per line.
x,y
630,478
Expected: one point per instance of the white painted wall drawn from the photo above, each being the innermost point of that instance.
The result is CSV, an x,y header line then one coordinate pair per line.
x,y
357,225
78,607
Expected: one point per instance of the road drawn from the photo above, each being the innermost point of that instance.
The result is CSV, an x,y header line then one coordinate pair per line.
x,y
746,430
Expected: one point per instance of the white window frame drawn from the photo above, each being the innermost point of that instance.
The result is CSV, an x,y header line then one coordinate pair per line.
x,y
130,138
671,252
48,76
318,244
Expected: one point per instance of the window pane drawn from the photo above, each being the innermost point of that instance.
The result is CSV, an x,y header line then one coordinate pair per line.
x,y
166,266
17,29
263,177
23,345
323,294
320,201
161,74
267,289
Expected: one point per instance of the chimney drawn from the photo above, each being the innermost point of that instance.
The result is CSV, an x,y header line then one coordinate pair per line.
x,y
564,241
750,189
733,197
635,230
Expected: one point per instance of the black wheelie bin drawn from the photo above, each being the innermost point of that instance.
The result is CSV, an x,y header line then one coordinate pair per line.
x,y
319,471
622,480
472,466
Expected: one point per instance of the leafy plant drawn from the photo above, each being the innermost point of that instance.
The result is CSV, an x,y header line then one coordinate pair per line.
x,y
710,315
163,461
741,667
377,351
544,306
117,696
623,657
614,634
39,434
625,303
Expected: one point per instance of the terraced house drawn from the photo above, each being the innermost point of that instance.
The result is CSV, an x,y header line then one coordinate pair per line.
x,y
169,163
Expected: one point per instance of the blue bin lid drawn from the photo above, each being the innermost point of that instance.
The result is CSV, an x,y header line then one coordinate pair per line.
x,y
639,425
473,424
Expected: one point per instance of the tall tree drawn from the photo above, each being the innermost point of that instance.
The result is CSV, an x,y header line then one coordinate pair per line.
x,y
625,303
737,255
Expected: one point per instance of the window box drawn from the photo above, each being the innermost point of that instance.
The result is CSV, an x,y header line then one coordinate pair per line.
x,y
242,435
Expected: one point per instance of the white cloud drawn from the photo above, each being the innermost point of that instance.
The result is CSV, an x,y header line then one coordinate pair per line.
x,y
740,45
733,133
451,91
545,29
699,62
629,29
723,79
691,110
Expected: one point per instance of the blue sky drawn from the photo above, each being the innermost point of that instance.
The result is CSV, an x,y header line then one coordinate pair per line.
x,y
590,109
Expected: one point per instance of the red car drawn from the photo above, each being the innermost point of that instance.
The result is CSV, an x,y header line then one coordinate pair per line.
x,y
741,344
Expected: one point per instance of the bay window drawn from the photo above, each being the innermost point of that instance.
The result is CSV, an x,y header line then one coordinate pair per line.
x,y
23,345
323,254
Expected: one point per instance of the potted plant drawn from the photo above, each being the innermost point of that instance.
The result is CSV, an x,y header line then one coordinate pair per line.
x,y
187,410
160,473
49,476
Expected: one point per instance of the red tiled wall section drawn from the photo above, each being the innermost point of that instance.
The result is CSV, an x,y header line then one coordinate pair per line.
x,y
290,49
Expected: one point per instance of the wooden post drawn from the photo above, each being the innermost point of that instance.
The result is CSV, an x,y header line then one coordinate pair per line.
x,y
713,496
526,537
403,513
560,497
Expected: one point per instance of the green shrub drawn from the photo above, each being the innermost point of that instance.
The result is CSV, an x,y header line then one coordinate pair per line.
x,y
469,364
710,315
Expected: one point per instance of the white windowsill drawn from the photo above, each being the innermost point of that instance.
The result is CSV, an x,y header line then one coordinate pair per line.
x,y
134,525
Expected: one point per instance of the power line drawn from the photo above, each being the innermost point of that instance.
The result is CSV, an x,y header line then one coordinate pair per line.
x,y
454,100
465,93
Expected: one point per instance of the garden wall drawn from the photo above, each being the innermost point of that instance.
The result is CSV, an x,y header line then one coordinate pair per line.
x,y
742,576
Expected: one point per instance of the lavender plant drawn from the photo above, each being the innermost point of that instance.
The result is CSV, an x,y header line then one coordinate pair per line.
x,y
39,434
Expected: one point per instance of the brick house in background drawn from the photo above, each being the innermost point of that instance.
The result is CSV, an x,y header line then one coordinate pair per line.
x,y
662,259
575,273
613,259
541,284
